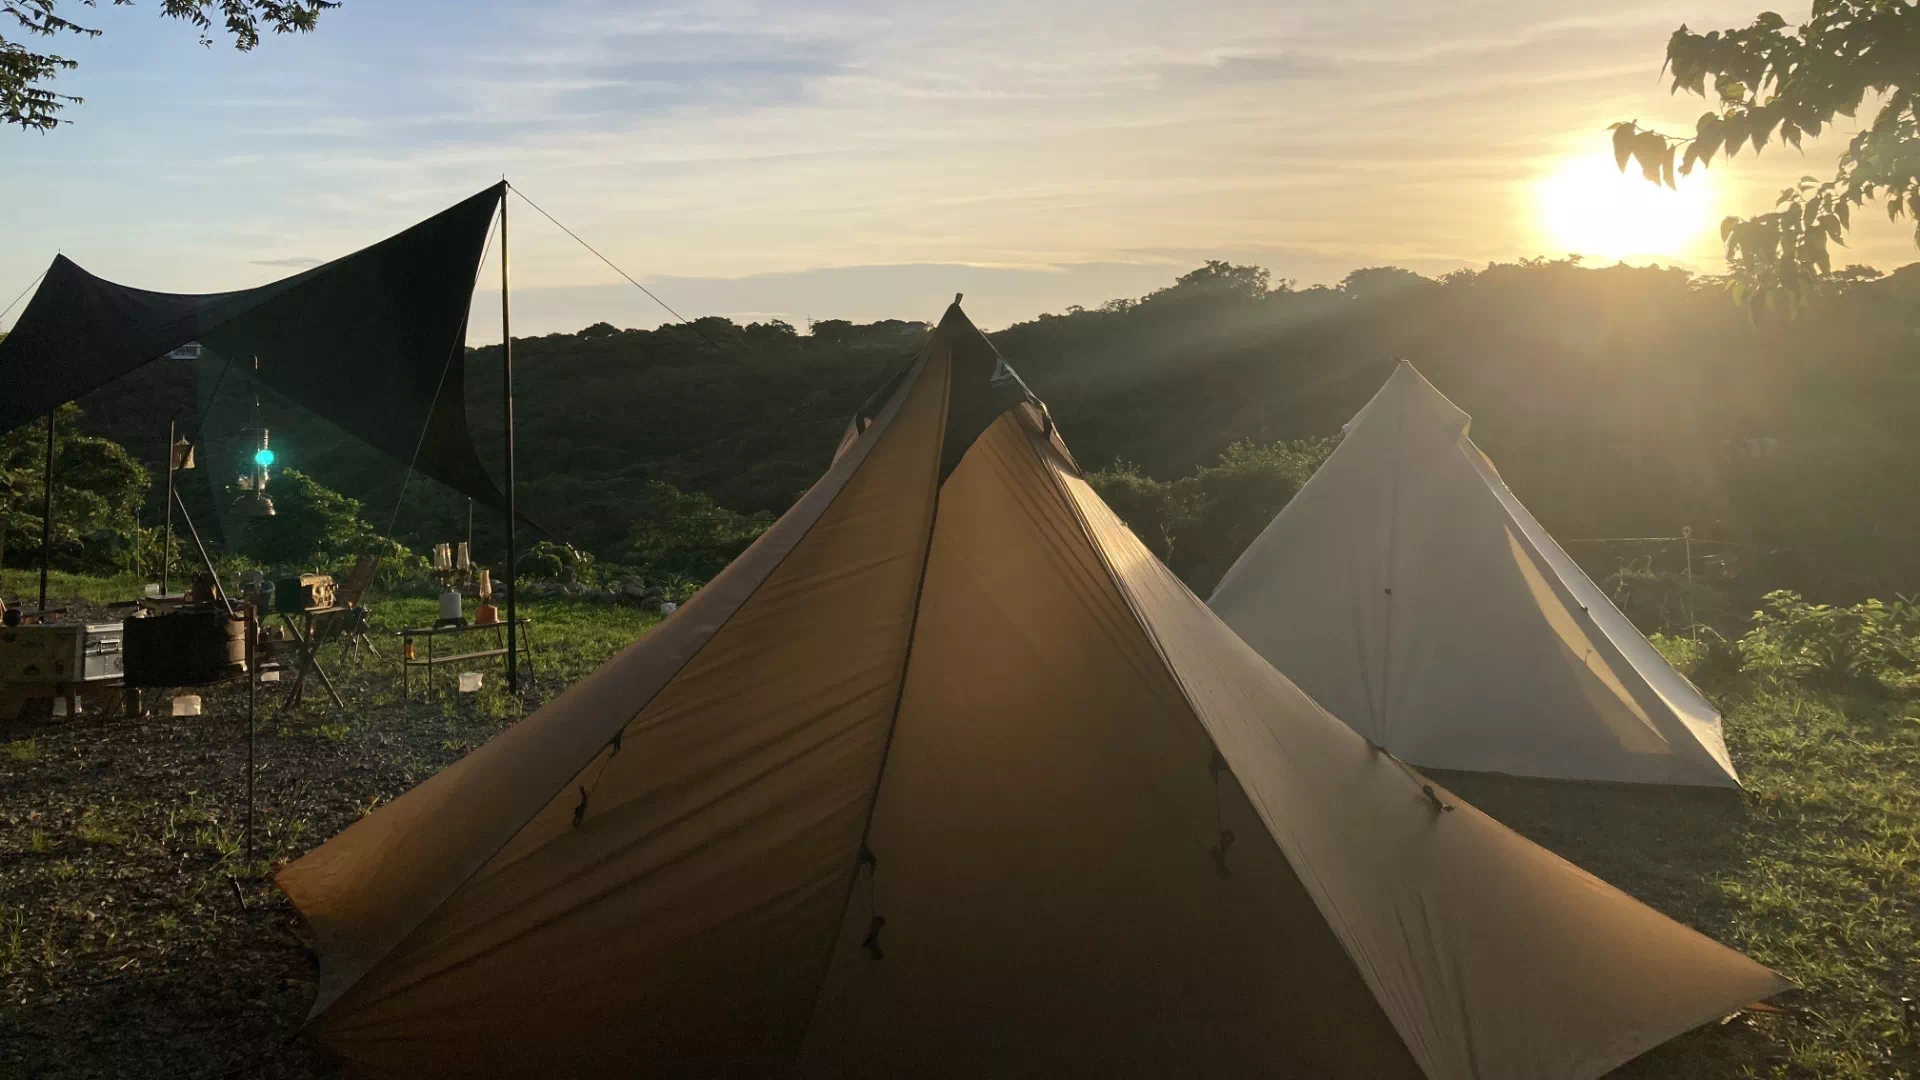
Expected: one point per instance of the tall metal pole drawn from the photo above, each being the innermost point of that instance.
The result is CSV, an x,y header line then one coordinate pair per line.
x,y
46,514
506,368
252,628
166,543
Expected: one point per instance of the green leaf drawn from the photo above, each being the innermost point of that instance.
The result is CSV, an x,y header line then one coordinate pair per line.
x,y
1834,225
1666,170
1790,133
1687,160
1727,225
1845,213
1768,20
1731,90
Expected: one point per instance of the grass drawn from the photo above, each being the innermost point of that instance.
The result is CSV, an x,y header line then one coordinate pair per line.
x,y
129,908
63,587
1814,871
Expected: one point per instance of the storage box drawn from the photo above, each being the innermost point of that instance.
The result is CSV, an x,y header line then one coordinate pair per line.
x,y
291,596
61,652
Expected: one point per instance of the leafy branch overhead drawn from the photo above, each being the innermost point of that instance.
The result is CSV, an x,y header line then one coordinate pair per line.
x,y
1772,82
25,97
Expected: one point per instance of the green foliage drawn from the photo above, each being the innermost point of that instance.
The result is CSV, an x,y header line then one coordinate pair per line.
x,y
1148,506
1666,600
1200,523
25,99
552,561
1771,81
1869,643
687,534
315,528
98,490
1227,504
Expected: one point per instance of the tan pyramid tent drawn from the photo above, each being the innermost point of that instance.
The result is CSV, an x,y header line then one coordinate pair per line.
x,y
1410,593
946,776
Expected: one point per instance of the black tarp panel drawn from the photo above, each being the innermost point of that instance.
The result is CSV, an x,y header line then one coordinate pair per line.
x,y
374,342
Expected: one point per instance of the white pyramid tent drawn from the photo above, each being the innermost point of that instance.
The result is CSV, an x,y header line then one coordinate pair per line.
x,y
1410,593
947,776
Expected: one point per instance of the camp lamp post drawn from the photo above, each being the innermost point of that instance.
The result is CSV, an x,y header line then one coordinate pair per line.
x,y
46,513
179,456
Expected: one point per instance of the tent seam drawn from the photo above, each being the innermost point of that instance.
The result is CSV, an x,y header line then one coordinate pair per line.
x,y
899,698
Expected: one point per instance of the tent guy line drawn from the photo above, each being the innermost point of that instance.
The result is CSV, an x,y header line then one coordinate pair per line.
x,y
23,294
596,252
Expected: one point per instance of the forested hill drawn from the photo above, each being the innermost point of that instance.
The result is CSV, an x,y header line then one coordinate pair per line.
x,y
1616,402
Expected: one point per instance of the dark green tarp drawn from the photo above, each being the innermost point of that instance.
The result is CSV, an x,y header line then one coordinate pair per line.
x,y
374,342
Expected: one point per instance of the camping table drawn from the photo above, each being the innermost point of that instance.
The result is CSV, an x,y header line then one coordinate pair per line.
x,y
323,625
433,659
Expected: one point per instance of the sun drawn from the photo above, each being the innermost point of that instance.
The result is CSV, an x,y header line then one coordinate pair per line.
x,y
1589,207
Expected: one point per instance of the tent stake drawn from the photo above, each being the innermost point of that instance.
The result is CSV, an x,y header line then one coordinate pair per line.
x,y
506,370
46,513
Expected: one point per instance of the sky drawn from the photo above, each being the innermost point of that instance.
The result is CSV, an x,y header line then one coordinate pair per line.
x,y
867,160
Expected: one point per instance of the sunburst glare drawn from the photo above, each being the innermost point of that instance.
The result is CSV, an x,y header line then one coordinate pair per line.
x,y
1589,207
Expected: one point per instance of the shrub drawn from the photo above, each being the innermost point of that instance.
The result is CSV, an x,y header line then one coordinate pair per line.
x,y
1666,601
1872,642
1224,506
686,534
1147,505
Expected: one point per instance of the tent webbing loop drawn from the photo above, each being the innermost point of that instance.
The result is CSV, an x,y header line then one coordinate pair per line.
x,y
1218,765
872,940
1219,853
871,864
613,747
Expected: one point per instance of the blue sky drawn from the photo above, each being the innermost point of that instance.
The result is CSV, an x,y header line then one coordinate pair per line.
x,y
862,159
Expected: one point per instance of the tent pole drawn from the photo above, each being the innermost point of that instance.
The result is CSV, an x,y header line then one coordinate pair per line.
x,y
46,512
166,543
253,705
506,370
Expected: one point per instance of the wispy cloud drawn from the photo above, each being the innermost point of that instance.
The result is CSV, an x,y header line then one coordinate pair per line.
x,y
749,143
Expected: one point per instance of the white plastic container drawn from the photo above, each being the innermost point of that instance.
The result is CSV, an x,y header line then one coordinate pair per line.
x,y
669,607
270,676
186,705
469,681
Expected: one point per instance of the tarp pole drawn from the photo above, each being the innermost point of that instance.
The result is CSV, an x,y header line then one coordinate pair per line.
x,y
166,543
46,513
506,367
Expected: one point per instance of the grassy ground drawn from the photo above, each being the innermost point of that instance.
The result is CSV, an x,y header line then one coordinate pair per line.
x,y
137,938
1813,871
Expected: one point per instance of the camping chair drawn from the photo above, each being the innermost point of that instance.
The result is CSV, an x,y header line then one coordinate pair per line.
x,y
349,594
